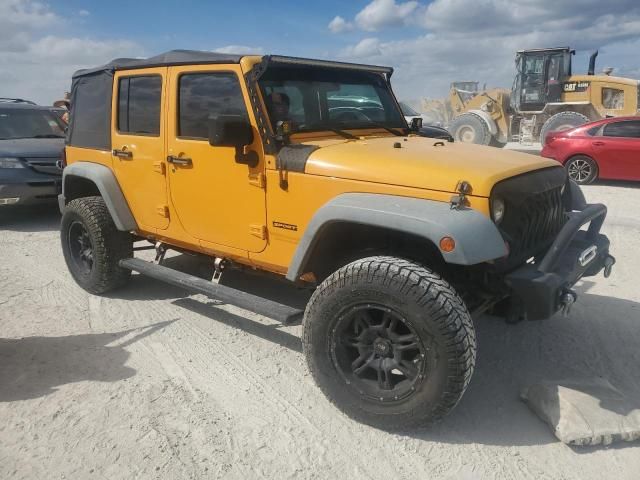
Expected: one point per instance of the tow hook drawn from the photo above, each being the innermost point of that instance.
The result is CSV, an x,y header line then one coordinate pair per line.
x,y
567,299
609,262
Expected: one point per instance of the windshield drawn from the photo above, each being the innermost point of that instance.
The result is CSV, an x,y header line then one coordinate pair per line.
x,y
318,99
29,123
408,111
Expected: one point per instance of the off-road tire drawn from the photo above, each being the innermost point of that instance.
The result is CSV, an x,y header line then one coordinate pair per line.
x,y
562,121
429,305
109,245
468,124
582,169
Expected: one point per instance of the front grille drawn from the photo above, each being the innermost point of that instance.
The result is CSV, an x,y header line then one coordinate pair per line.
x,y
533,226
534,212
44,164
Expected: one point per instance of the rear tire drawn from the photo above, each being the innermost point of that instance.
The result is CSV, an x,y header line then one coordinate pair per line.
x,y
389,342
582,169
93,246
470,128
562,121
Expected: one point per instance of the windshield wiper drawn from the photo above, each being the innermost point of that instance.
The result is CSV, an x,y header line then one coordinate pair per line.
x,y
47,135
342,133
388,129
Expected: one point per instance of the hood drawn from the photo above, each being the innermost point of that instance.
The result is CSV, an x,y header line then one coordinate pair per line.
x,y
32,147
419,163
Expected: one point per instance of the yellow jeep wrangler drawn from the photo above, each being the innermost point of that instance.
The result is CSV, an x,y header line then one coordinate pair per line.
x,y
307,169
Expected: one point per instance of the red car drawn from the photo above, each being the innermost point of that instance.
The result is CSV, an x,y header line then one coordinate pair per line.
x,y
608,148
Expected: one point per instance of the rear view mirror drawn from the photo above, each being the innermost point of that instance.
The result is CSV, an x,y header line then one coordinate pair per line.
x,y
230,131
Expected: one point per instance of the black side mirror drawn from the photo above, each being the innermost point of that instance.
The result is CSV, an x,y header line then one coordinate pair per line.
x,y
416,124
230,131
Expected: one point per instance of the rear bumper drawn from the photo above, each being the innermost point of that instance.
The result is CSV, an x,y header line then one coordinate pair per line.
x,y
544,287
20,187
548,152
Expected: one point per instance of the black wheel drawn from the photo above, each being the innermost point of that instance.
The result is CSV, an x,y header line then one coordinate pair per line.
x,y
470,128
562,121
389,342
93,246
582,169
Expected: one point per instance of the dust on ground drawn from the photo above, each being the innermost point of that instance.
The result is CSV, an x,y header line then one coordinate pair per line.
x,y
151,383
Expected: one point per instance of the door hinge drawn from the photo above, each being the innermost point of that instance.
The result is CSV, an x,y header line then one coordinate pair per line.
x,y
258,180
259,231
159,167
163,210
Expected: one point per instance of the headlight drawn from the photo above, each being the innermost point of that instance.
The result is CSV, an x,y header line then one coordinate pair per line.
x,y
10,162
497,209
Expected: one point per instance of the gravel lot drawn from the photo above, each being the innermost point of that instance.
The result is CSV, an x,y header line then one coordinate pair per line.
x,y
150,383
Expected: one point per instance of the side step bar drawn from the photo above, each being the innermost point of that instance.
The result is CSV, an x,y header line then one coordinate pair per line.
x,y
263,306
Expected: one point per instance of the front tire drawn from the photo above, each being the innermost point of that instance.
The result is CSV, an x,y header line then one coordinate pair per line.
x,y
389,342
93,246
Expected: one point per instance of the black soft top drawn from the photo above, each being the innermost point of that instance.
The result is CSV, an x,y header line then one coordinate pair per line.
x,y
92,88
173,57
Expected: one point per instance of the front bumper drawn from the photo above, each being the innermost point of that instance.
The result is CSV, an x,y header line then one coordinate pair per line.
x,y
544,287
22,187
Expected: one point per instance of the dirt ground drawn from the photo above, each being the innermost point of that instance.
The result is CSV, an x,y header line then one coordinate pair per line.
x,y
151,383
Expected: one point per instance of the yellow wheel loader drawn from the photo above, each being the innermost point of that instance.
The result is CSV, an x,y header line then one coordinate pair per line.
x,y
545,97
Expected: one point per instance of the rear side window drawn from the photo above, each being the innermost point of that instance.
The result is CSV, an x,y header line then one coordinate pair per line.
x,y
203,95
90,124
139,100
630,129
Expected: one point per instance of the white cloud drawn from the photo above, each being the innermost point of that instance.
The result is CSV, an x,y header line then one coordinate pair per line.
x,y
84,13
365,48
340,25
240,50
478,39
385,13
36,62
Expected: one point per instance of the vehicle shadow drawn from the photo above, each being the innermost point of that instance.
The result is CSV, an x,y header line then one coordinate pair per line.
x,y
616,183
271,333
33,367
598,340
44,217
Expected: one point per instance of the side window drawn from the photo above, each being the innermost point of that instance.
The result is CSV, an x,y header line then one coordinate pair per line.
x,y
612,98
202,95
630,129
139,100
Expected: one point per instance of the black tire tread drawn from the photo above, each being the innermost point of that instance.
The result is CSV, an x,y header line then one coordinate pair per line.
x,y
469,118
110,244
547,125
446,308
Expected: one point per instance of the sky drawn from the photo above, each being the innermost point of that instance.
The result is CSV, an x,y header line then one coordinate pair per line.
x,y
429,43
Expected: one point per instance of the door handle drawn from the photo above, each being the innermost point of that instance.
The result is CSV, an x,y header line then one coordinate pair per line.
x,y
181,161
598,144
122,153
